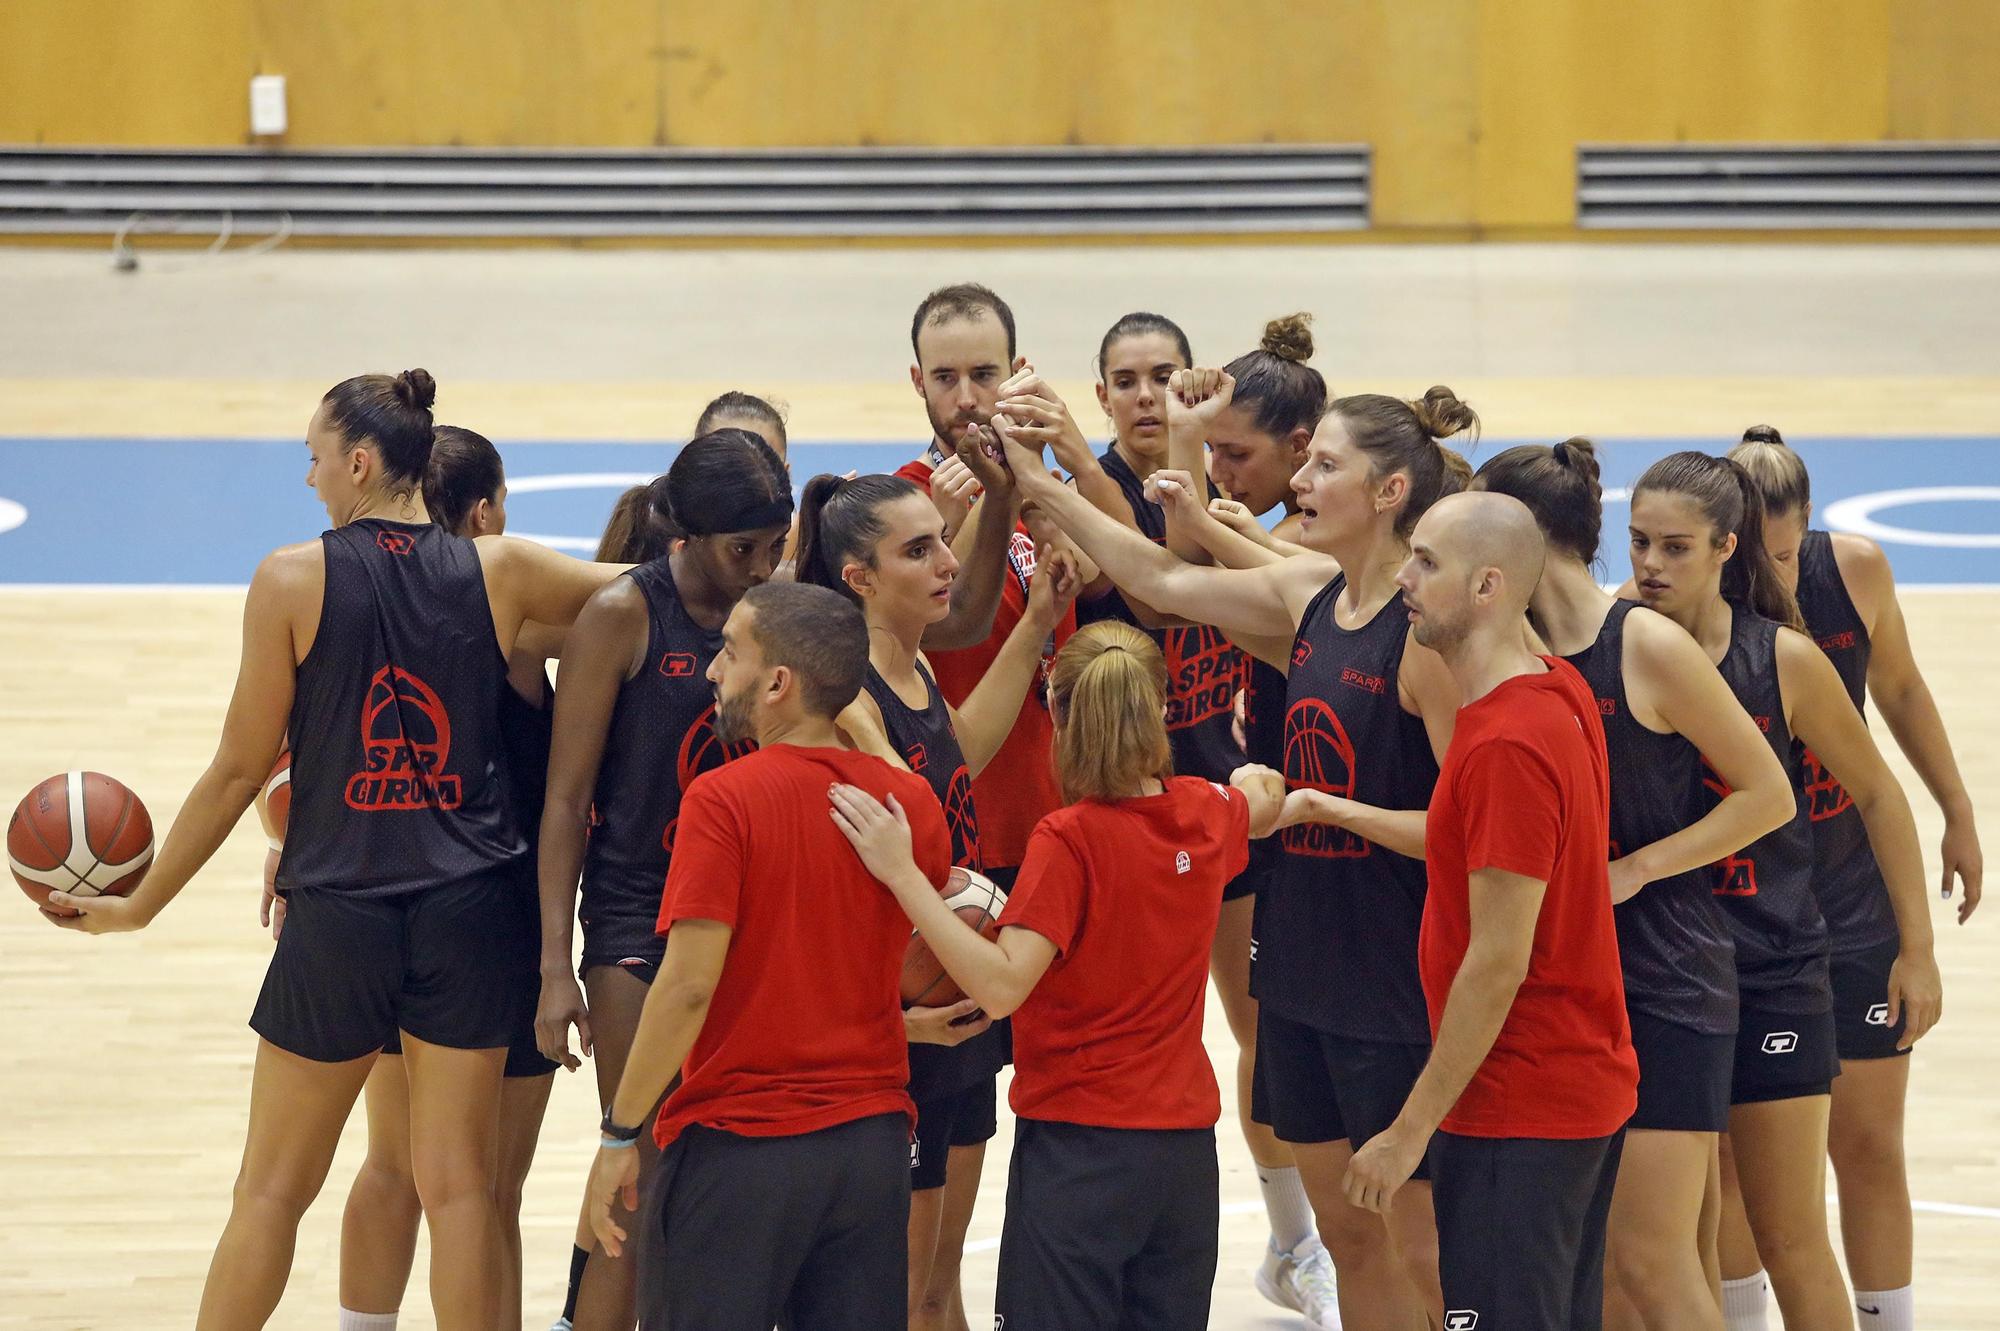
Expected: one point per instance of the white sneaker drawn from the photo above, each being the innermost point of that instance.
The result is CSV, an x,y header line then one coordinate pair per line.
x,y
1302,1280
561,1324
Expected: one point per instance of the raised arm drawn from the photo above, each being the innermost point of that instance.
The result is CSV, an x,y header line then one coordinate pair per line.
x,y
1673,686
1823,718
279,615
1905,701
975,596
987,716
1263,602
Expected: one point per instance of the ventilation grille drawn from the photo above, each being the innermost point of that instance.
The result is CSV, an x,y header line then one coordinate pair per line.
x,y
1890,187
835,192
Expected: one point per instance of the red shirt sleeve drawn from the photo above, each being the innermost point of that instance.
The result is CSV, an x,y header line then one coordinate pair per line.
x,y
1513,810
918,473
1048,894
711,851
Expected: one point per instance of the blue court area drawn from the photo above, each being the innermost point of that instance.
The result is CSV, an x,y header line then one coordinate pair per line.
x,y
195,511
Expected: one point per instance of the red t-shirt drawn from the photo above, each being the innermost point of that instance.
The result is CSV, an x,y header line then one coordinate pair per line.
x,y
1018,786
1129,893
1525,788
805,1030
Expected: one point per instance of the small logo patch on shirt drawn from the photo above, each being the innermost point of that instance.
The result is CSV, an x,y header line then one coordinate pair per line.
x,y
1183,862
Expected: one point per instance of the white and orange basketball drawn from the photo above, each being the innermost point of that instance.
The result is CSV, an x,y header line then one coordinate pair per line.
x,y
274,801
977,900
81,832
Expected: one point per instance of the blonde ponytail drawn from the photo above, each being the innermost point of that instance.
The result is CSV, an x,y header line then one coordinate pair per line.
x,y
1108,692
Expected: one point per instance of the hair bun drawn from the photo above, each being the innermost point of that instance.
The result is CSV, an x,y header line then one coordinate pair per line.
x,y
1290,338
416,388
1441,414
1763,434
1579,455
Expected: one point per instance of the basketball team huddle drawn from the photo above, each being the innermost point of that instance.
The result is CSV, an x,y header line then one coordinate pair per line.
x,y
1564,935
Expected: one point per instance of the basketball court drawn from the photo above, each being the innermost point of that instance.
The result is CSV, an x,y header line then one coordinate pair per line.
x,y
151,450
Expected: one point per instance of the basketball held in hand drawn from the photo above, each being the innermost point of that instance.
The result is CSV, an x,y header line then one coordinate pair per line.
x,y
977,900
80,832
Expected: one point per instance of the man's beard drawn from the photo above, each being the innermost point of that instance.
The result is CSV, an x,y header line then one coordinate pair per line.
x,y
732,718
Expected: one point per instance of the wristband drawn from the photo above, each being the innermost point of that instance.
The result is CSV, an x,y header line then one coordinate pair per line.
x,y
616,1143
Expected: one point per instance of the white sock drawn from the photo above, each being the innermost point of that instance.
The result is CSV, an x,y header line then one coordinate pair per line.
x,y
354,1321
1285,1203
1886,1309
1744,1302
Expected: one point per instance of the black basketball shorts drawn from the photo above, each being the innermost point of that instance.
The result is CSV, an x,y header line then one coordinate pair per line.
x,y
1861,1025
1684,1077
1311,1086
1783,1056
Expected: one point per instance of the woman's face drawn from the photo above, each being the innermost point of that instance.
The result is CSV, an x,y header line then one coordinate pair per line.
x,y
1251,467
1338,494
1783,534
1676,561
1133,392
331,470
910,581
735,561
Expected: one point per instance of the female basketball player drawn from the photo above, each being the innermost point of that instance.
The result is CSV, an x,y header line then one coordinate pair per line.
x,y
1254,445
1112,1203
1698,557
465,490
880,540
1848,598
739,410
1664,707
1368,714
382,650
640,528
634,724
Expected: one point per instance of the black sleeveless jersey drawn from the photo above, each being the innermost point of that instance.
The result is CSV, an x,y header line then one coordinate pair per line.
x,y
1264,743
400,778
1679,960
930,749
527,732
662,736
1845,875
1204,670
1336,928
1766,888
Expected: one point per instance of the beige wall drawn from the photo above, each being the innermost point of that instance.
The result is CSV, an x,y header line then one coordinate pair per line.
x,y
1473,106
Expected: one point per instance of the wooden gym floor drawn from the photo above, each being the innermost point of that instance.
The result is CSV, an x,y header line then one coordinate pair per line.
x,y
129,1056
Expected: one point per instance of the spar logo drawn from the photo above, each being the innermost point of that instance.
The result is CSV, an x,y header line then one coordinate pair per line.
x,y
1203,675
405,742
1319,756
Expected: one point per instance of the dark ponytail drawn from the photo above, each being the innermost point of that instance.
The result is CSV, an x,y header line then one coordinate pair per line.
x,y
641,528
392,412
728,480
1728,499
840,521
464,468
1559,485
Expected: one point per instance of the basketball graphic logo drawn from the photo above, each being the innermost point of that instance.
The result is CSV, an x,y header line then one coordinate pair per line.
x,y
1319,756
405,743
701,750
1825,796
960,817
1203,674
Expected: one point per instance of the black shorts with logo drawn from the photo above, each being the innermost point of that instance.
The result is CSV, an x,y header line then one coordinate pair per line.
x,y
1783,1056
1521,1230
968,1117
1108,1227
1684,1077
1861,1025
1311,1087
450,965
810,1233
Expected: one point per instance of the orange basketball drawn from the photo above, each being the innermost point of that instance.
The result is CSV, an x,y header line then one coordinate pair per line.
x,y
81,832
274,800
977,900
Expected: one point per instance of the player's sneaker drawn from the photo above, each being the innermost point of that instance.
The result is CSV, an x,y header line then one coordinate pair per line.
x,y
1302,1280
561,1324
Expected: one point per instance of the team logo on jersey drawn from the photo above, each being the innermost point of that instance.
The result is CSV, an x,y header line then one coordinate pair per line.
x,y
1878,1015
1607,707
1825,797
1736,877
1367,683
1781,1042
1302,652
1319,756
395,542
679,665
1021,558
405,742
1838,642
915,758
963,821
701,750
1203,674
1461,1319
1182,861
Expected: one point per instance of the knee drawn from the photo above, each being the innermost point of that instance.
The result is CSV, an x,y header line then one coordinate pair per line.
x,y
1418,1256
446,1176
1643,1262
1786,1247
1353,1236
1867,1150
507,1200
273,1198
383,1185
